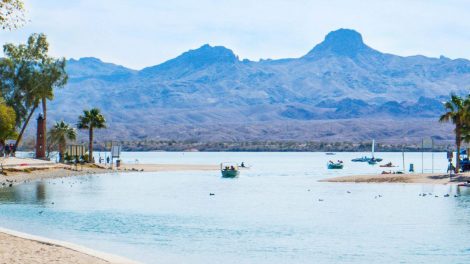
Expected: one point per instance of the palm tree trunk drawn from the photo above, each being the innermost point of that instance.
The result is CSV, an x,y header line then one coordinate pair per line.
x,y
458,141
90,147
44,113
25,124
2,148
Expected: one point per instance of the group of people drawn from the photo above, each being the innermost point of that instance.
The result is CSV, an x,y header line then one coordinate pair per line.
x,y
331,162
9,150
101,160
232,168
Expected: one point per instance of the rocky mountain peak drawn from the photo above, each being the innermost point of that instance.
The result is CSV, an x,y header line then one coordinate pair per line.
x,y
342,42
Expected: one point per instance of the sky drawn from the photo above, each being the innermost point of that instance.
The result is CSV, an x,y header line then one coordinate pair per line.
x,y
141,33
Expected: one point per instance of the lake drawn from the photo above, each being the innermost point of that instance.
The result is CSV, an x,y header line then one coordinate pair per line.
x,y
275,212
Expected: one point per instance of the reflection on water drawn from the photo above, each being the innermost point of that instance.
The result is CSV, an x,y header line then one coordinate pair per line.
x,y
275,212
34,193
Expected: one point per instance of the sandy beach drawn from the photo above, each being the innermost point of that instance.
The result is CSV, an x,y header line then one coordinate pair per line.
x,y
167,167
18,170
16,247
426,178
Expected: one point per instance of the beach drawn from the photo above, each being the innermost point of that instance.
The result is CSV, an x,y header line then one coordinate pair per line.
x,y
422,178
16,247
20,170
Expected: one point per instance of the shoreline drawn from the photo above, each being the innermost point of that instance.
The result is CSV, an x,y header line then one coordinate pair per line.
x,y
47,250
416,178
27,170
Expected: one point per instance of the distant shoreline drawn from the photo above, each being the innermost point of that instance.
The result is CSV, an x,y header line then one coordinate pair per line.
x,y
265,146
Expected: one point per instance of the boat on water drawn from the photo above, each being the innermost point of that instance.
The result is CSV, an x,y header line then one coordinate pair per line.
x,y
330,153
363,159
335,165
229,170
372,160
388,165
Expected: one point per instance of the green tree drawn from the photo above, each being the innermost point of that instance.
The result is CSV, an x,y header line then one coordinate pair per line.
x,y
91,119
60,133
457,113
466,126
11,14
7,124
29,77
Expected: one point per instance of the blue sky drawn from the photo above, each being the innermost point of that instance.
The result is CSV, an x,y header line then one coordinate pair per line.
x,y
139,33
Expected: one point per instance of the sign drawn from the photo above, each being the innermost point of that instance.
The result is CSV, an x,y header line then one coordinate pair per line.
x,y
10,141
116,151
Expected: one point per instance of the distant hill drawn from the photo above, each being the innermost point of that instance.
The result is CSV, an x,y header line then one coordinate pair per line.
x,y
341,88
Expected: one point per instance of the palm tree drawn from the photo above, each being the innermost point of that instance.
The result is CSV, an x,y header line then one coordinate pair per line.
x,y
457,113
90,120
466,126
52,75
60,133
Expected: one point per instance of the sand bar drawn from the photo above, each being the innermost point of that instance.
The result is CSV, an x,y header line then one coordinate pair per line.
x,y
19,170
168,167
426,178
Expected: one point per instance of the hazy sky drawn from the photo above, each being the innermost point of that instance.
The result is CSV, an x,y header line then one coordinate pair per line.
x,y
139,33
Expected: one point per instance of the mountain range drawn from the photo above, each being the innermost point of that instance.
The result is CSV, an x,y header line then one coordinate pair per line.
x,y
340,90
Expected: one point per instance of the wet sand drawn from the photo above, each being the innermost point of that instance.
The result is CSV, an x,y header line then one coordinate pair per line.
x,y
16,247
426,178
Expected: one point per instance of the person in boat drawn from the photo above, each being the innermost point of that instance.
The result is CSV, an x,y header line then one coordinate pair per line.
x,y
242,165
232,168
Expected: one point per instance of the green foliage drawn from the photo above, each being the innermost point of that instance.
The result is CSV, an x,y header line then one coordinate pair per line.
x,y
7,123
29,76
458,113
11,14
90,120
60,133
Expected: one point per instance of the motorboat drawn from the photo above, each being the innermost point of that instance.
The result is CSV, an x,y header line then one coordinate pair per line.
x,y
229,170
335,165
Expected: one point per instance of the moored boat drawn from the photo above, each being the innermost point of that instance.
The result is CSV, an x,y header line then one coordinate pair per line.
x,y
363,159
335,165
371,160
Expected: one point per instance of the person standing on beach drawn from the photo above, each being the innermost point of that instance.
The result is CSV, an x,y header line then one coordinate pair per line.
x,y
12,150
7,151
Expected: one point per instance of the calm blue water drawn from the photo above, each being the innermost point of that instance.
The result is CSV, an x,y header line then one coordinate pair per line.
x,y
270,214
